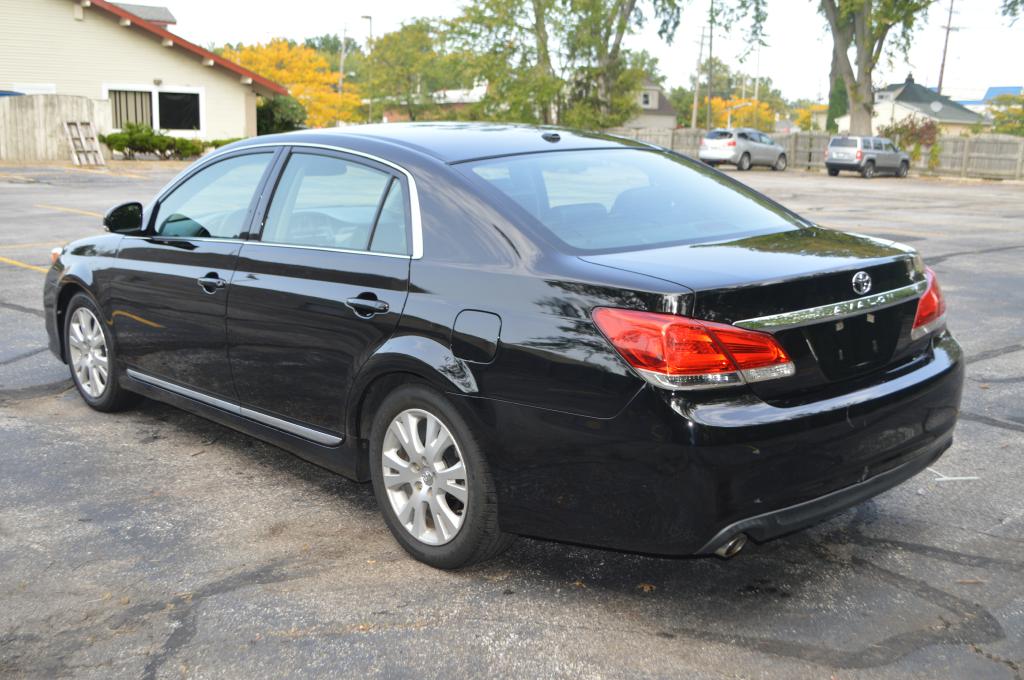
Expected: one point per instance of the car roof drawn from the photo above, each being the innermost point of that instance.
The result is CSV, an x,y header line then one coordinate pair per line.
x,y
452,142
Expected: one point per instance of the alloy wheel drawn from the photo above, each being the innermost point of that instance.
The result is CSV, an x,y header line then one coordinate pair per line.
x,y
424,476
87,347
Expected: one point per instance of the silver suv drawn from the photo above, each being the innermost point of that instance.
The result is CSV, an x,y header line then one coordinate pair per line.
x,y
742,147
866,155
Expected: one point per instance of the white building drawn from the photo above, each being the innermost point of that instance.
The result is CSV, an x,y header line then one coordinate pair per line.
x,y
100,50
655,110
899,101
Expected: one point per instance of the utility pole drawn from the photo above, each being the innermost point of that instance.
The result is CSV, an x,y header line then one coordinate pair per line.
x,y
945,46
757,90
341,60
711,68
696,81
369,70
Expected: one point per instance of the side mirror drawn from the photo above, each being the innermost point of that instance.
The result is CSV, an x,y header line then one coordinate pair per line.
x,y
124,218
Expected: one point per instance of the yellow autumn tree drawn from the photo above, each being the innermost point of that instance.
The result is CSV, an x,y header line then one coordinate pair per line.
x,y
307,76
745,113
805,116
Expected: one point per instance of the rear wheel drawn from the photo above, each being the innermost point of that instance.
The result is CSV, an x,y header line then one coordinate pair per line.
x,y
744,163
780,163
869,170
904,169
833,172
91,357
431,480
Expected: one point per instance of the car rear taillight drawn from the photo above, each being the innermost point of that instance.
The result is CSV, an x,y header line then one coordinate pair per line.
x,y
731,142
860,154
677,352
931,308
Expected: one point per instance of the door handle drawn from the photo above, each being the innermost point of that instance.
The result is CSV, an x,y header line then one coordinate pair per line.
x,y
366,307
211,283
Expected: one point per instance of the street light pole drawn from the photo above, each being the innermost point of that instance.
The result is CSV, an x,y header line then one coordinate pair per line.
x,y
369,70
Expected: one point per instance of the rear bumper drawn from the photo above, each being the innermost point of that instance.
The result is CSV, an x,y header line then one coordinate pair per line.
x,y
843,165
729,155
673,475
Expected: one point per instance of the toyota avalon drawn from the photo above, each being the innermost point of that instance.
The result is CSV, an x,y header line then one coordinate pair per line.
x,y
513,330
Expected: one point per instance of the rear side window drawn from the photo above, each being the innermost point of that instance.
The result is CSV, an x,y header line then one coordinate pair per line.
x,y
843,142
325,201
390,234
718,134
625,199
214,202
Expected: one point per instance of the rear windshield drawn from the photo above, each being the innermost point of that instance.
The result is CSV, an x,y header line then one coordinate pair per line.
x,y
718,134
627,199
843,141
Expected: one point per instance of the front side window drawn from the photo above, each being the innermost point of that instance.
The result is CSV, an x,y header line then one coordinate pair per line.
x,y
328,202
215,201
623,199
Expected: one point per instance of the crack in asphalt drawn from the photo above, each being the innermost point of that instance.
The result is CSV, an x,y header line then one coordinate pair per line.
x,y
993,353
992,422
1009,663
942,258
24,310
23,355
22,393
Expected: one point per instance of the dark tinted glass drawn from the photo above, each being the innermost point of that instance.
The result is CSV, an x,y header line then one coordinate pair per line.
x,y
718,134
628,198
178,110
844,142
325,202
215,201
390,235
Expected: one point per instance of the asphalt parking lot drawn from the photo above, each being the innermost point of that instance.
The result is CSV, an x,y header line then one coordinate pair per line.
x,y
157,544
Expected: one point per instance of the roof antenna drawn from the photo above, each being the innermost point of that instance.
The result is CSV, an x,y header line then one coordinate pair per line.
x,y
551,137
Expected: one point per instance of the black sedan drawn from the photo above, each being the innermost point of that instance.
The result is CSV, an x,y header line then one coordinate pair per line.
x,y
519,330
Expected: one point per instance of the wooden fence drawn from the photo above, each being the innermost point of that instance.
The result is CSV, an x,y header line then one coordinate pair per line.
x,y
980,156
32,126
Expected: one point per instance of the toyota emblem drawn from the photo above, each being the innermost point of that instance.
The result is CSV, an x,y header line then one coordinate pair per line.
x,y
861,283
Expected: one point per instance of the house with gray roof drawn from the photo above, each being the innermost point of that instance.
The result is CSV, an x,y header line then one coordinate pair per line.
x,y
656,111
899,101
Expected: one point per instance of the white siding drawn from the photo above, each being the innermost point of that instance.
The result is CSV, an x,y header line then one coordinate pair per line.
x,y
41,41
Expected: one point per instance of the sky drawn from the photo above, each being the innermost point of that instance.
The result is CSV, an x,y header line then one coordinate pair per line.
x,y
985,51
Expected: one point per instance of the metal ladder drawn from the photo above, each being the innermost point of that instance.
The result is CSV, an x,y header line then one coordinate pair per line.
x,y
85,149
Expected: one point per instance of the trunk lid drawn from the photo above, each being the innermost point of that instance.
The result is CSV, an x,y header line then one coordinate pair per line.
x,y
801,269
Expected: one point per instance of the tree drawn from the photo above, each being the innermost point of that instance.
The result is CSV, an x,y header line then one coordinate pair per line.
x,y
682,101
873,27
1007,113
328,46
306,75
805,116
838,104
279,114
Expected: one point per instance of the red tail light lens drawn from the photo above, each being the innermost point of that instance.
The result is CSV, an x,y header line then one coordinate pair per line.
x,y
731,142
679,353
931,308
860,154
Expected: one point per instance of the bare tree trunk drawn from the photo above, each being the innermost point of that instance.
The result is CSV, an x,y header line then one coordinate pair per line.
x,y
608,57
858,84
540,32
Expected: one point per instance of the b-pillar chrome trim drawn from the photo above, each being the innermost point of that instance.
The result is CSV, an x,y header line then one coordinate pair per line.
x,y
312,435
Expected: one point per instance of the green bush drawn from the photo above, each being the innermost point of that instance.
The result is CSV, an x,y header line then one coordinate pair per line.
x,y
138,138
934,154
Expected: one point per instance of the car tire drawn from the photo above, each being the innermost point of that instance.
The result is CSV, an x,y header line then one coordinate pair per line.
x,y
868,171
744,162
440,529
833,172
904,169
780,163
92,357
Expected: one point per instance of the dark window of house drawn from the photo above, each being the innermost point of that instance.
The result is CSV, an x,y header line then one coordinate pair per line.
x,y
128,106
179,111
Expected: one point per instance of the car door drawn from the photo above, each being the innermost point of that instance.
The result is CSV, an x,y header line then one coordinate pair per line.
x,y
768,150
170,288
889,153
320,289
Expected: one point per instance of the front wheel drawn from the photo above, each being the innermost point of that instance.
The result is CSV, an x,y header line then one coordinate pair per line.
x,y
904,169
780,163
431,480
91,357
744,163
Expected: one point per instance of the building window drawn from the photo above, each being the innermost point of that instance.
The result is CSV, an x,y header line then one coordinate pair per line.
x,y
129,106
179,110
645,100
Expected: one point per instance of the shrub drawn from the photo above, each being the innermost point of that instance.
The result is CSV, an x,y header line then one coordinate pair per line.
x,y
912,130
138,138
933,156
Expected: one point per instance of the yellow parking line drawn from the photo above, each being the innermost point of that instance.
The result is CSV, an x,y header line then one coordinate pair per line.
x,y
14,246
69,210
23,265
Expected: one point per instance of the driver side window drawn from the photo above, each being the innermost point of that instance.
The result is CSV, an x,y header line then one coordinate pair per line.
x,y
214,202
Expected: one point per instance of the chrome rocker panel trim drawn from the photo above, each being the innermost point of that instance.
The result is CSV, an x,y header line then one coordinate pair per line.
x,y
310,434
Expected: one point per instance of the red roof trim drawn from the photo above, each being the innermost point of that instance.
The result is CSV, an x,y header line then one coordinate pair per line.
x,y
195,49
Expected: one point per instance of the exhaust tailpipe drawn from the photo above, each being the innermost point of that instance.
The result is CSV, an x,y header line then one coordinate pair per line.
x,y
732,546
